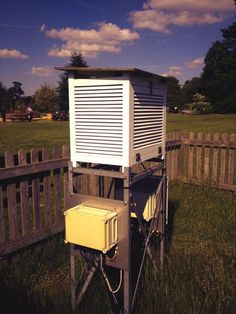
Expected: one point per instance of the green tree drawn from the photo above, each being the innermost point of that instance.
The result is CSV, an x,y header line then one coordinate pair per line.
x,y
14,93
46,99
3,101
174,94
200,105
219,73
192,87
76,60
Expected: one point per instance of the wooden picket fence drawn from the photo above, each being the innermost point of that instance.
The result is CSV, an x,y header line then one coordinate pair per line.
x,y
210,159
33,185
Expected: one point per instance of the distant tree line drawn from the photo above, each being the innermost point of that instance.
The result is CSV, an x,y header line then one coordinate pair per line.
x,y
45,99
215,89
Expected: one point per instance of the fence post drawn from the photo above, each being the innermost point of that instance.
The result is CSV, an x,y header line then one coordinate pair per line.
x,y
181,158
36,193
24,196
207,157
231,160
2,222
199,156
47,191
223,158
11,197
190,157
215,157
65,153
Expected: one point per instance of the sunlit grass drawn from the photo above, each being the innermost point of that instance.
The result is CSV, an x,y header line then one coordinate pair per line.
x,y
199,274
25,135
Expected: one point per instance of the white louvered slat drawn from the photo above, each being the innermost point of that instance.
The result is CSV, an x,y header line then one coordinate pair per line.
x,y
148,120
99,119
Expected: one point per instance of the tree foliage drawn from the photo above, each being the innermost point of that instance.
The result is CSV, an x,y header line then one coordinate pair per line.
x,y
200,105
76,60
14,95
191,88
3,95
174,94
219,73
46,99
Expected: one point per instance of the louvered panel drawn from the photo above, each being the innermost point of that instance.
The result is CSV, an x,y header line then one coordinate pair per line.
x,y
99,119
148,120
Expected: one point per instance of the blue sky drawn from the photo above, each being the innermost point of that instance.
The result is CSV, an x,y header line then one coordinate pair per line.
x,y
168,37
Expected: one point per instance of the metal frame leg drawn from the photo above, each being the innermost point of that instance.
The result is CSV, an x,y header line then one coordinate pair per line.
x,y
127,273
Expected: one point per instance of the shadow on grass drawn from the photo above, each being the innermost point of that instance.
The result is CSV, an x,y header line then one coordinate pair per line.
x,y
173,206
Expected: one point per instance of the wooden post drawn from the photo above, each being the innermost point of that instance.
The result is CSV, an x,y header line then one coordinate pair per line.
x,y
11,200
231,161
36,193
215,157
223,158
181,158
190,157
24,197
207,157
57,186
65,153
199,156
2,218
175,157
47,191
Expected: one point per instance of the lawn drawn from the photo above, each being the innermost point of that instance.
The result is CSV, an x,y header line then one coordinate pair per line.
x,y
199,274
25,135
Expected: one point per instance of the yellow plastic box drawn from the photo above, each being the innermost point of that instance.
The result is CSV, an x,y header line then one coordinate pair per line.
x,y
91,227
150,205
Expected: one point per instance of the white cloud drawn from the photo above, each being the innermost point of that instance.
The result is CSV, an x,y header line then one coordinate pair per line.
x,y
196,63
160,21
160,15
90,42
174,71
42,71
193,5
12,54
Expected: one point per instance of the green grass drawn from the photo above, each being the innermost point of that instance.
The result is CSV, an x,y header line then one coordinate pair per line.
x,y
199,274
202,123
37,134
200,269
25,135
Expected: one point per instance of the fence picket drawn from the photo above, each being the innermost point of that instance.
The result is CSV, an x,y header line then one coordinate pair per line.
x,y
231,160
207,157
176,153
36,193
11,200
181,158
65,153
215,157
24,197
2,218
223,158
57,186
190,157
47,191
199,156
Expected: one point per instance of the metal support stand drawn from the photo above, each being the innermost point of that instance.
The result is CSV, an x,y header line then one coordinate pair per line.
x,y
123,261
127,273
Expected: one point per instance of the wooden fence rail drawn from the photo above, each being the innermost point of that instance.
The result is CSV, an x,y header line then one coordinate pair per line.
x,y
33,185
210,158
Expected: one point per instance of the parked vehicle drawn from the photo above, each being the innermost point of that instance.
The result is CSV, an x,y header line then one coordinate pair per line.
x,y
60,116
